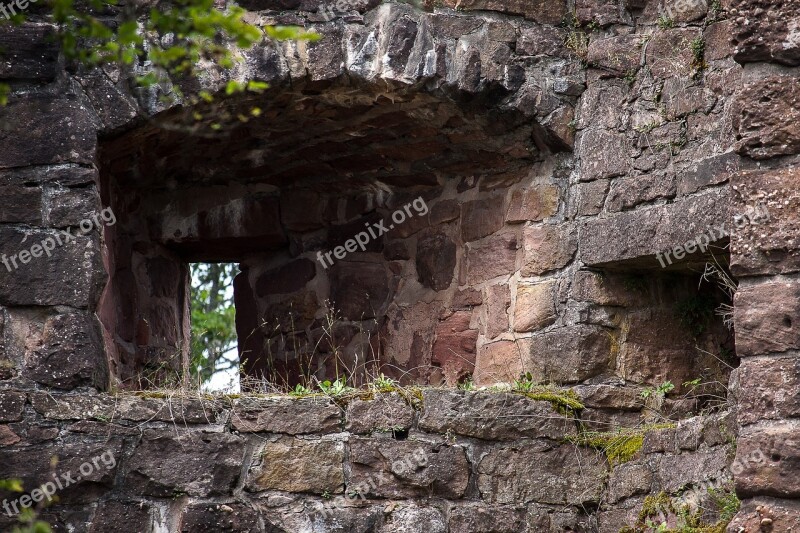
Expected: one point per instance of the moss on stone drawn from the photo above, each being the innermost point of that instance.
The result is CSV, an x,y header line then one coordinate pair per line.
x,y
619,446
660,505
565,401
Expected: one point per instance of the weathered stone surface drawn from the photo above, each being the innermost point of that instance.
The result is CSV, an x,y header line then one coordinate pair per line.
x,y
767,457
199,464
777,515
541,40
436,261
403,469
286,279
601,12
768,382
541,11
481,518
629,479
678,471
69,207
22,204
498,300
492,415
626,193
619,54
126,407
766,36
657,347
768,117
568,355
11,405
547,248
210,518
682,97
533,204
651,230
766,222
68,353
608,288
385,412
480,218
491,258
500,362
608,154
64,122
32,465
7,436
67,277
359,290
293,416
564,475
454,347
591,197
624,398
669,52
535,306
29,53
682,11
602,105
707,172
413,518
765,317
296,465
115,516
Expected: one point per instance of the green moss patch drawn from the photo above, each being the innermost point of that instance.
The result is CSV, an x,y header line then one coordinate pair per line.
x,y
618,446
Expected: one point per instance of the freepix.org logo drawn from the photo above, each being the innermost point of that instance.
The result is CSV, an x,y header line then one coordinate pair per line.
x,y
59,482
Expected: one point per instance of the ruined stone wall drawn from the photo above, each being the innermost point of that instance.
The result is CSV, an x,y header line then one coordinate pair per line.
x,y
559,146
437,461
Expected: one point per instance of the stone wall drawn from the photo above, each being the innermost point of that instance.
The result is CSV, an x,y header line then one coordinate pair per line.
x,y
559,146
432,460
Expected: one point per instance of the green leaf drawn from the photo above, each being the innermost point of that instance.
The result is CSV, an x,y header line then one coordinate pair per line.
x,y
257,86
5,91
285,33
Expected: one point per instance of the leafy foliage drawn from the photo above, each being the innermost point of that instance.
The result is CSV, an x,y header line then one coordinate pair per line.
x,y
213,319
662,390
179,40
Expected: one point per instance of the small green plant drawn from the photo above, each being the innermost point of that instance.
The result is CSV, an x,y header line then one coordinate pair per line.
x,y
693,384
300,390
27,518
665,23
662,390
727,502
327,495
646,128
592,25
524,383
660,527
467,384
698,48
630,76
336,388
384,384
578,42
